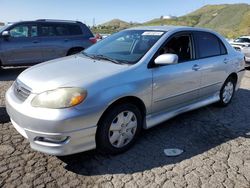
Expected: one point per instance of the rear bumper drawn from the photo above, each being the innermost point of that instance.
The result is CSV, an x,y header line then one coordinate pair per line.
x,y
40,126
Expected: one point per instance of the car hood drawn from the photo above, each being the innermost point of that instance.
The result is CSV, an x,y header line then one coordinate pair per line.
x,y
65,71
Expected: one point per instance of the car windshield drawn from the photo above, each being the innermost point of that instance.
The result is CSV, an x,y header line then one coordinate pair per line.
x,y
242,40
127,46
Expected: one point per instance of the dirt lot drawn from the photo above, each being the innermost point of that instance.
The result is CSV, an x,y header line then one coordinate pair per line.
x,y
215,141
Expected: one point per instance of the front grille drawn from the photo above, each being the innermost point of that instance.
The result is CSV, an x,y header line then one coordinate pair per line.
x,y
21,91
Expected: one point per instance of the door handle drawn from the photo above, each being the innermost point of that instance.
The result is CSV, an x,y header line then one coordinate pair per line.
x,y
226,61
35,42
196,67
66,40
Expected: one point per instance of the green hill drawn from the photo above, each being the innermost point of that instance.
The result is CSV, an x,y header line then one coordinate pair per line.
x,y
116,23
112,26
231,20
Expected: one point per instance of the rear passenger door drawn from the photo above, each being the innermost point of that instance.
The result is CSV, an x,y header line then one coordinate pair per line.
x,y
212,56
52,45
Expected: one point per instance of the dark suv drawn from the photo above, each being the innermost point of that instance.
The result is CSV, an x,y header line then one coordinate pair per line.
x,y
31,42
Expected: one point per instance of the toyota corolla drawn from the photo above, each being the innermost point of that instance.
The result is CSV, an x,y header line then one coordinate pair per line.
x,y
132,80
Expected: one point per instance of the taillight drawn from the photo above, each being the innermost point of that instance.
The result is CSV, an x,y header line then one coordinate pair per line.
x,y
93,40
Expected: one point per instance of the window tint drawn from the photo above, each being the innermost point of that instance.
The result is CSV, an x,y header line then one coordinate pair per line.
x,y
223,50
62,30
179,45
75,30
19,31
47,30
207,45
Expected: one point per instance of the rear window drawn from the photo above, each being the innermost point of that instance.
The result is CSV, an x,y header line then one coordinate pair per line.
x,y
208,45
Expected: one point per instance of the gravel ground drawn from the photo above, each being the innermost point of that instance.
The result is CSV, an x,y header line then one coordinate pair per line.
x,y
215,143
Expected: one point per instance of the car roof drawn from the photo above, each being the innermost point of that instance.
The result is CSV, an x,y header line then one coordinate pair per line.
x,y
48,21
167,28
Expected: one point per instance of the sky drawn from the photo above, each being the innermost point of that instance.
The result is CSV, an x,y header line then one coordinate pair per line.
x,y
100,11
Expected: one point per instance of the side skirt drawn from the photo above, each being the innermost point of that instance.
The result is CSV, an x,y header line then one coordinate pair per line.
x,y
155,119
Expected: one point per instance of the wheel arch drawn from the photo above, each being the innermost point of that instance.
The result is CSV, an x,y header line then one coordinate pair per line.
x,y
234,76
128,99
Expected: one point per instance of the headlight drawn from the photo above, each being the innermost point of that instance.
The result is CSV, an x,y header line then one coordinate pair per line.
x,y
60,98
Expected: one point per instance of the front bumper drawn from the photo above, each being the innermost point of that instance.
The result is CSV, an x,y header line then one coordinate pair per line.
x,y
78,127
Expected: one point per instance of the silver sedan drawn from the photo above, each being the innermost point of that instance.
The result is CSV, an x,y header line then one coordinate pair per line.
x,y
135,79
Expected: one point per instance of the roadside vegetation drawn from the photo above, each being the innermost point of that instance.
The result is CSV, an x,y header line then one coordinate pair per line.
x,y
229,20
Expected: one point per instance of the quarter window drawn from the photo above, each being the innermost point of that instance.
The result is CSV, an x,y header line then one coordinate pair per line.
x,y
223,50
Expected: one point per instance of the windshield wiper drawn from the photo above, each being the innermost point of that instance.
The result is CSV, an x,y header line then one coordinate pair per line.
x,y
88,55
107,58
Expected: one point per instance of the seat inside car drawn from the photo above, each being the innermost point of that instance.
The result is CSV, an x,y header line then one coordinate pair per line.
x,y
179,46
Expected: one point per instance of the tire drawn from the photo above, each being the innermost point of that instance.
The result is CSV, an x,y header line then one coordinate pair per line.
x,y
115,133
227,92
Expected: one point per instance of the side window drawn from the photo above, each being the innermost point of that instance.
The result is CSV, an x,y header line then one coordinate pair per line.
x,y
62,30
75,30
180,45
207,45
223,49
20,31
47,30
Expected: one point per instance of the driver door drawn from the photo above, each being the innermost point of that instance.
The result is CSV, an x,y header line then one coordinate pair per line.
x,y
22,46
176,85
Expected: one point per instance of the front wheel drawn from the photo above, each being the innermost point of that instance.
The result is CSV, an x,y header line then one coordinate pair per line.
x,y
119,129
227,92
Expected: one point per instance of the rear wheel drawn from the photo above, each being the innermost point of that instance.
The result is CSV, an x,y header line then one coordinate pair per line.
x,y
119,129
227,92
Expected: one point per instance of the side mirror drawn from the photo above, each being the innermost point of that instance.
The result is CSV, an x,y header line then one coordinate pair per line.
x,y
5,33
166,59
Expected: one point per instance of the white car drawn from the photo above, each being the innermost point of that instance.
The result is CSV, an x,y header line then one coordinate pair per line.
x,y
243,44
